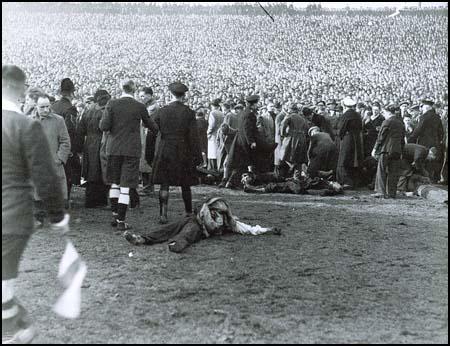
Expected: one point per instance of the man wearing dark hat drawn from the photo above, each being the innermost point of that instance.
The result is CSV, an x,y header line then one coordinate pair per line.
x,y
177,153
429,133
122,118
27,165
96,193
388,150
64,108
351,149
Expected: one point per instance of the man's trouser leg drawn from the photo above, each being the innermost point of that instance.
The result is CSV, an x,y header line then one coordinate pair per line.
x,y
189,234
406,171
163,203
381,177
187,198
393,174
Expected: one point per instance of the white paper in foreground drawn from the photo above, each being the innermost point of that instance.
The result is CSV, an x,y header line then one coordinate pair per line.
x,y
69,304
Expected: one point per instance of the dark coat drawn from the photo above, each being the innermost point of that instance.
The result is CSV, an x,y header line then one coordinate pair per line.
x,y
151,137
322,154
324,123
64,108
335,125
294,145
177,151
350,134
122,118
414,153
371,129
391,138
429,132
241,155
27,164
91,135
184,233
202,129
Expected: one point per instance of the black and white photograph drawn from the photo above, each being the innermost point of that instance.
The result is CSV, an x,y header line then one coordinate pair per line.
x,y
224,172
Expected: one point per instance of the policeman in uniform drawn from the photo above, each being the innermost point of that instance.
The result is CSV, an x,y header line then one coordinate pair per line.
x,y
177,152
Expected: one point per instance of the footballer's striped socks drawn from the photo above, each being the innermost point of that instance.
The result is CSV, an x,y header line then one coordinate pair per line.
x,y
123,202
114,194
10,309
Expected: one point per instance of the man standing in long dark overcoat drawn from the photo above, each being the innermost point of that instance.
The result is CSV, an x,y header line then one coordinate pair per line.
x,y
351,149
242,153
177,152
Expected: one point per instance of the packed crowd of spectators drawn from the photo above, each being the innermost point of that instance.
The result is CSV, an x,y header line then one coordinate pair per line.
x,y
177,8
311,58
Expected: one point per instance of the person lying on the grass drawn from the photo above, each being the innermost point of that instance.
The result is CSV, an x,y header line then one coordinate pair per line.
x,y
299,184
214,217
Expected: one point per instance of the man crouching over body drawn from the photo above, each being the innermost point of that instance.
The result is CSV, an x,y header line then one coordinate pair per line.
x,y
212,218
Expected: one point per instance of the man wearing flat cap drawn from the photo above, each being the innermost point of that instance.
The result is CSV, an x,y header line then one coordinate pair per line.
x,y
429,133
122,118
241,158
388,150
351,149
64,108
177,153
